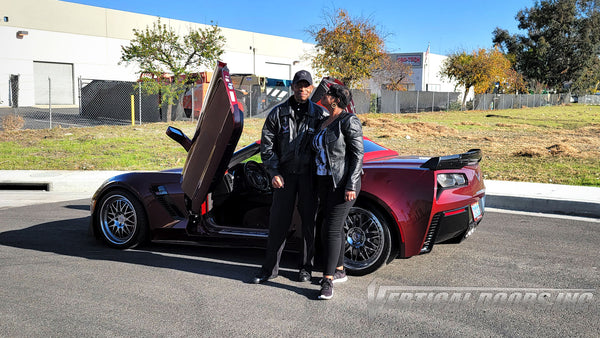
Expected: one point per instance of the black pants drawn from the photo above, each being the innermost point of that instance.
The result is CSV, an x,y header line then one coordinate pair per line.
x,y
284,199
335,210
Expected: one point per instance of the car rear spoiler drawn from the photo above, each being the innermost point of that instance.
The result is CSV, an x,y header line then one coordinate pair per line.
x,y
471,157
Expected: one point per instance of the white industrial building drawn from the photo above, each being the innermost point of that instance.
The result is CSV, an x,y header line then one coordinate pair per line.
x,y
65,41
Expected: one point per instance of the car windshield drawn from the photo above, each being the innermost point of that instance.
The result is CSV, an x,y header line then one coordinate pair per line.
x,y
371,146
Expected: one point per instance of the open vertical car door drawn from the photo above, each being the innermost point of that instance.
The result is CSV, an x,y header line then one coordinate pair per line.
x,y
217,134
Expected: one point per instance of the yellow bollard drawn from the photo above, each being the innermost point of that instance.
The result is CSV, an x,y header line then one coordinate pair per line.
x,y
132,111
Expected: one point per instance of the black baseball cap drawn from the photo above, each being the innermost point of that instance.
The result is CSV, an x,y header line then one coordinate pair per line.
x,y
302,75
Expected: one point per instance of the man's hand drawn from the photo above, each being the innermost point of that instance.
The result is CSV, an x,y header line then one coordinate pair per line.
x,y
277,182
350,195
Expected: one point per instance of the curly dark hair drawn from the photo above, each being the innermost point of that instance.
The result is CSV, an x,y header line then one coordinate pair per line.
x,y
342,93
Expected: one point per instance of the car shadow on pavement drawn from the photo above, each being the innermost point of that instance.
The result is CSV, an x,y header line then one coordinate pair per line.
x,y
70,237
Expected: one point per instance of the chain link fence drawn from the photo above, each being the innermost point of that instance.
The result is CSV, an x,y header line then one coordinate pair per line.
x,y
44,115
99,102
589,99
417,101
362,100
257,101
102,102
517,101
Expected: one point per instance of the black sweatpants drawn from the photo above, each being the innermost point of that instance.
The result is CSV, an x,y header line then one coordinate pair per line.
x,y
335,210
303,187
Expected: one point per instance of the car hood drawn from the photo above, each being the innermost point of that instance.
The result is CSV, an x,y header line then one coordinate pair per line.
x,y
217,133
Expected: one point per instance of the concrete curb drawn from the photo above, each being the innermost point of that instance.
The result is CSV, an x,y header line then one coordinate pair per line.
x,y
544,206
544,198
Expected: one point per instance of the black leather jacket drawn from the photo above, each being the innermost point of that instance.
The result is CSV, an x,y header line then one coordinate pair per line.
x,y
285,142
344,151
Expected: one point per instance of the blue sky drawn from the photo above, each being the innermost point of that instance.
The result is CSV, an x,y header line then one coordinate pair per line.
x,y
408,26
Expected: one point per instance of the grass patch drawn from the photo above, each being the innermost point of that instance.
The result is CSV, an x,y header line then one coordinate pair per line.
x,y
559,144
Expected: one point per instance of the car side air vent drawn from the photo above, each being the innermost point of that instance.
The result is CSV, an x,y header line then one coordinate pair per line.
x,y
431,234
165,200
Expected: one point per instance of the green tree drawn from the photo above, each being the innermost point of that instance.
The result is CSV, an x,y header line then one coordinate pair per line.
x,y
481,70
560,46
349,49
168,61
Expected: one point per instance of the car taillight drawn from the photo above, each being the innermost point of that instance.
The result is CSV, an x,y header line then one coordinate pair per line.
x,y
452,180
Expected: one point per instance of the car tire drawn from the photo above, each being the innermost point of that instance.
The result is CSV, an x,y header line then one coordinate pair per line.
x,y
121,220
368,241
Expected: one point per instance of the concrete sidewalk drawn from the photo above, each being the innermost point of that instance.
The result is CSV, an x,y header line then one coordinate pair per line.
x,y
63,185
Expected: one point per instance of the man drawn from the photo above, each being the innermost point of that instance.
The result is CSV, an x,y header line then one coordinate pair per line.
x,y
285,151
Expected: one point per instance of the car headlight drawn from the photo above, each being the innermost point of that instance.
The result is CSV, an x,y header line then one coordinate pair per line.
x,y
451,180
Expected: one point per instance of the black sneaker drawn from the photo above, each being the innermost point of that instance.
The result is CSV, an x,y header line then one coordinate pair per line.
x,y
326,289
339,276
304,275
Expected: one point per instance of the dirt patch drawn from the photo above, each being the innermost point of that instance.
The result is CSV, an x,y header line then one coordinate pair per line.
x,y
562,149
12,122
531,152
593,129
394,128
410,116
426,128
380,123
468,123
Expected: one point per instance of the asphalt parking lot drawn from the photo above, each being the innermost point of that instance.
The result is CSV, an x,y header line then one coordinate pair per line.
x,y
58,281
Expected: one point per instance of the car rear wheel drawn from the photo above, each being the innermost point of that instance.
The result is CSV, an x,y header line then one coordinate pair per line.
x,y
122,220
368,241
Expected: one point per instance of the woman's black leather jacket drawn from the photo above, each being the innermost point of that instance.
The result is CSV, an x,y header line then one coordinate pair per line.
x,y
344,151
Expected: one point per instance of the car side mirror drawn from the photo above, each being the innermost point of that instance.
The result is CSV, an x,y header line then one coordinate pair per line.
x,y
179,137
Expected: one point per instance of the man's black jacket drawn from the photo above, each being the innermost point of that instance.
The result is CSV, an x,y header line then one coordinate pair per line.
x,y
285,145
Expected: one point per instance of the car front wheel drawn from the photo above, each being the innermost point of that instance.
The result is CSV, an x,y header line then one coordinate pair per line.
x,y
121,220
368,241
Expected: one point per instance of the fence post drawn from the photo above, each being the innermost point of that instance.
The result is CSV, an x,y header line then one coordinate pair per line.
x,y
484,105
79,86
417,102
448,102
50,100
132,110
432,101
140,102
193,104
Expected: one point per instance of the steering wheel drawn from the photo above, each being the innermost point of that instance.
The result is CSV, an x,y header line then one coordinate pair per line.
x,y
256,176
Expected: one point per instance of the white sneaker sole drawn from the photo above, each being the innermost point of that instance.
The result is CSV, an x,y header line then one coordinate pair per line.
x,y
340,280
326,297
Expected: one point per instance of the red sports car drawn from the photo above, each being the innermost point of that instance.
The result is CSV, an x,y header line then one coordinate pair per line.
x,y
222,197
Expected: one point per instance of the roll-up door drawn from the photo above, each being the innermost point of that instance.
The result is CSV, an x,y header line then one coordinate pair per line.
x,y
277,71
61,76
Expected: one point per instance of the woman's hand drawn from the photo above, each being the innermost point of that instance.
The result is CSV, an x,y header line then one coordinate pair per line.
x,y
350,195
277,182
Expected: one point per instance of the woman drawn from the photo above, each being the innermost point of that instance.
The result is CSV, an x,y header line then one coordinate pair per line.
x,y
339,155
